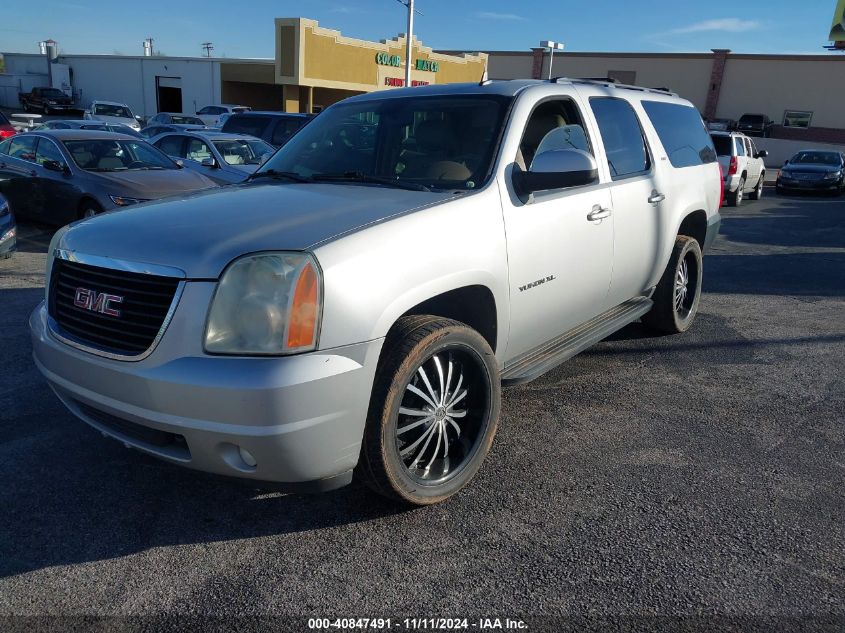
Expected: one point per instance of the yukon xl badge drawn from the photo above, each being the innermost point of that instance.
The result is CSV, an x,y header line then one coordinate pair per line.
x,y
534,284
97,301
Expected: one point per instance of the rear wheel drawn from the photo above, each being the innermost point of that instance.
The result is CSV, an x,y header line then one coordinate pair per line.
x,y
679,289
734,198
758,189
433,412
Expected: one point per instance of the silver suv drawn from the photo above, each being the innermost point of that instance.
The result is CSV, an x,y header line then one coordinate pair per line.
x,y
357,306
742,165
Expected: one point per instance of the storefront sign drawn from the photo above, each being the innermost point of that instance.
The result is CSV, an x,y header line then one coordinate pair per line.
x,y
397,82
428,65
388,60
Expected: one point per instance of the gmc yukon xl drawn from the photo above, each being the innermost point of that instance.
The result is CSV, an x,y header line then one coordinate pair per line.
x,y
356,307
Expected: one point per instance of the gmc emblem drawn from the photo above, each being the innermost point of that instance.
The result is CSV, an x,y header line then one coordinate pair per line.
x,y
97,301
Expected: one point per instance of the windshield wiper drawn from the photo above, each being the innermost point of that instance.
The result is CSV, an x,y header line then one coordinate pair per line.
x,y
275,173
357,176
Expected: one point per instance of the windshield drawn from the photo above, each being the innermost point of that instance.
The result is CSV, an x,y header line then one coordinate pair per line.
x,y
243,151
723,145
116,155
52,92
751,118
817,158
105,109
445,142
182,119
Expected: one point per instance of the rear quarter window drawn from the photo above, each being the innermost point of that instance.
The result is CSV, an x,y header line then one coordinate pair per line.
x,y
723,145
252,125
682,133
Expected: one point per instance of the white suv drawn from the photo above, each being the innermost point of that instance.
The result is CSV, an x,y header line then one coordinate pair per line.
x,y
742,166
357,306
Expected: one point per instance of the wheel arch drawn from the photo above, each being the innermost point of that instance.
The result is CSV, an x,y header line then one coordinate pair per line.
x,y
694,225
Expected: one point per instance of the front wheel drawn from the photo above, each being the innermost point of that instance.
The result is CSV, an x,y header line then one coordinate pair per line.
x,y
433,412
679,289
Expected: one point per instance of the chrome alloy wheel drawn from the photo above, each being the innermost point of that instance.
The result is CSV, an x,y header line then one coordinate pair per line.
x,y
442,415
686,279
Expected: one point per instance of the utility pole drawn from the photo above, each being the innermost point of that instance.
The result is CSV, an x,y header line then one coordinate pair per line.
x,y
410,41
208,47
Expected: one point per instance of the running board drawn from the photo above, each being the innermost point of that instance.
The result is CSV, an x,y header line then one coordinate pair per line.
x,y
538,361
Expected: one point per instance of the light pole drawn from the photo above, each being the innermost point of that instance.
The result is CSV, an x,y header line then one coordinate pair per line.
x,y
410,36
552,46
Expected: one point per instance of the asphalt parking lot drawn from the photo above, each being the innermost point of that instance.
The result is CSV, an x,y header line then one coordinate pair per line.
x,y
699,476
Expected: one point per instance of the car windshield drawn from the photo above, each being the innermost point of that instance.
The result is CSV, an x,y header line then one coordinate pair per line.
x,y
445,142
723,144
751,118
183,119
116,155
252,124
106,109
243,151
817,158
52,92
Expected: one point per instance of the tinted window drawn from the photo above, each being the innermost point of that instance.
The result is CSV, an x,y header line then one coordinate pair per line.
x,y
171,145
22,147
149,132
3,119
723,145
252,125
817,158
740,146
285,128
180,119
47,150
751,118
622,136
682,133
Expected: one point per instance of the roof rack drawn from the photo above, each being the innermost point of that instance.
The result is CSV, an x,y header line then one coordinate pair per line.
x,y
610,82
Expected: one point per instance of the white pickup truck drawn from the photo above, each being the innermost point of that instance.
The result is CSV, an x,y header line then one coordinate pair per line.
x,y
356,307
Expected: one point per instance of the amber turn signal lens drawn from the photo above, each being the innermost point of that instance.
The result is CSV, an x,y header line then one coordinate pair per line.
x,y
302,328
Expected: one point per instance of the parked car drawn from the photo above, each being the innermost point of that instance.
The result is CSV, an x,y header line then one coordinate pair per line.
x,y
755,125
58,176
357,308
276,128
175,118
8,230
211,114
6,127
86,124
155,130
818,170
224,158
721,125
113,112
46,100
742,165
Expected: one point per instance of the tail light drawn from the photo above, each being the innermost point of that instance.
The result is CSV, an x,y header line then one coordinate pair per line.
x,y
732,166
7,131
722,184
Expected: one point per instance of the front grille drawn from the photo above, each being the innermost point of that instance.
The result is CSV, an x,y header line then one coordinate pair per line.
x,y
142,434
146,301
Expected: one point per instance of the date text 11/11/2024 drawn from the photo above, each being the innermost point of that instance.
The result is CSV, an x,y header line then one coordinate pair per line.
x,y
416,624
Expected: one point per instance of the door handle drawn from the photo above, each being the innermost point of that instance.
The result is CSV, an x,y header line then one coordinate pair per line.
x,y
598,213
656,197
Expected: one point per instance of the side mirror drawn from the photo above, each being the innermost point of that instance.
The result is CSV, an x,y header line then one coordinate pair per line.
x,y
179,162
556,169
762,153
138,117
208,162
54,165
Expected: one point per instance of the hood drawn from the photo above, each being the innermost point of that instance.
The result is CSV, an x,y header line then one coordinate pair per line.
x,y
202,233
118,120
810,168
153,184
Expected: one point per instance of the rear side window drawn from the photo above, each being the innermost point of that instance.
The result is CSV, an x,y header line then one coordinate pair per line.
x,y
252,125
683,134
622,136
22,147
723,145
172,145
740,146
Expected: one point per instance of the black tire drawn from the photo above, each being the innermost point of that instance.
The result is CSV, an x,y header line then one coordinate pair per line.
x,y
734,198
412,345
664,316
757,193
88,209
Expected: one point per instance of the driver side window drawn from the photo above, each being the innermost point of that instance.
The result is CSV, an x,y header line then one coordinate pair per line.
x,y
555,124
47,150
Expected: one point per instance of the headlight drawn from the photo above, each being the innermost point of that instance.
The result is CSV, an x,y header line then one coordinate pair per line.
x,y
268,303
832,175
123,201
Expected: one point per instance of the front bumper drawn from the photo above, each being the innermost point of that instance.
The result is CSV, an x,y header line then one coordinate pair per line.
x,y
301,418
809,185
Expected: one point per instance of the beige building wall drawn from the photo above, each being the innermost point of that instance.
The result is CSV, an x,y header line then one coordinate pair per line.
x,y
816,83
688,75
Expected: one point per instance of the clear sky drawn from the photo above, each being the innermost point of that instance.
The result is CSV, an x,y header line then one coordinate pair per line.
x,y
241,28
